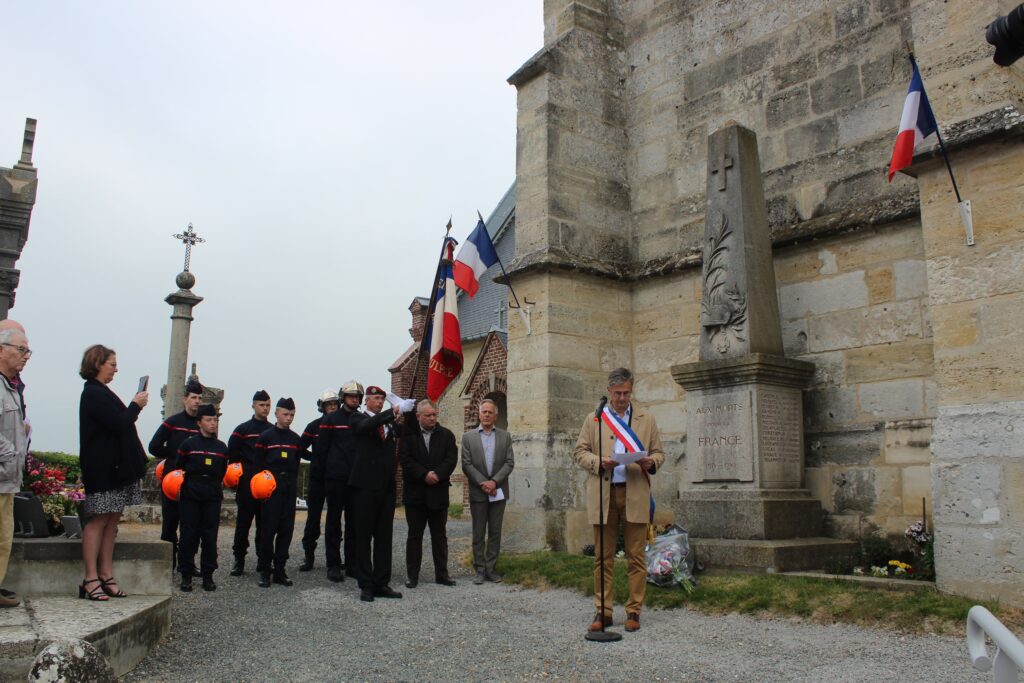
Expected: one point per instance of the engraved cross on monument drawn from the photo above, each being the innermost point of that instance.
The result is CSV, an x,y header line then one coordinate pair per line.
x,y
182,301
744,440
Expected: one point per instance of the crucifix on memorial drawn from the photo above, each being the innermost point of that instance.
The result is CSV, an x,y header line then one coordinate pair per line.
x,y
182,301
722,163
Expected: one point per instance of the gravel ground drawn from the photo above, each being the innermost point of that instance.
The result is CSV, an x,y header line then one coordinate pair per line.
x,y
319,631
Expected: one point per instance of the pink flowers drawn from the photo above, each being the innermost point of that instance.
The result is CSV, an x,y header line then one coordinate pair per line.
x,y
50,485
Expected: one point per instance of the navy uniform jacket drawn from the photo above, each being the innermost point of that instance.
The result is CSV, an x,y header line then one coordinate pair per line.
x,y
242,444
279,451
338,443
169,437
316,456
205,460
375,458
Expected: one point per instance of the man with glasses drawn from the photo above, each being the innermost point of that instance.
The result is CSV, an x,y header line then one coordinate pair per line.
x,y
14,353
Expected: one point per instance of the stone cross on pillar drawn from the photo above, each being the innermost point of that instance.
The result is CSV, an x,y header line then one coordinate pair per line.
x,y
182,301
17,197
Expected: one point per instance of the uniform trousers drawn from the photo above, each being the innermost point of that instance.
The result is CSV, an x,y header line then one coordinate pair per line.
x,y
339,500
315,497
171,515
278,514
373,519
635,534
487,519
419,516
200,520
248,510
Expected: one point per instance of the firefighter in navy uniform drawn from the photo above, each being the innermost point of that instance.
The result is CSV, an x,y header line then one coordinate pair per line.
x,y
164,445
278,449
337,444
242,448
326,404
204,458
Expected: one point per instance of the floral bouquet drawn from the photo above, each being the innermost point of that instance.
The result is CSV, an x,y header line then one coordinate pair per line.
x,y
50,486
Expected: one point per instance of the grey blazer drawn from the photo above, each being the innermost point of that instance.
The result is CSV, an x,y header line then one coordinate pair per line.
x,y
475,467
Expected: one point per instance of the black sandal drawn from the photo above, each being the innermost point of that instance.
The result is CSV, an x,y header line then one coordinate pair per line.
x,y
97,593
114,594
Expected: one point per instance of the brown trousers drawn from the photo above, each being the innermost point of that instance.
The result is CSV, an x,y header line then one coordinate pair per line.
x,y
635,535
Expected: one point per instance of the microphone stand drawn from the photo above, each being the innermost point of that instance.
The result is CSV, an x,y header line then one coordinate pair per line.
x,y
601,636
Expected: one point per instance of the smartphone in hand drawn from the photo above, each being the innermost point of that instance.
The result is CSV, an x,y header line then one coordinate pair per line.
x,y
143,384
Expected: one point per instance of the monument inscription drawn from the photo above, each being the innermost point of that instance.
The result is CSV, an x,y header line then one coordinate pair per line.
x,y
779,432
723,435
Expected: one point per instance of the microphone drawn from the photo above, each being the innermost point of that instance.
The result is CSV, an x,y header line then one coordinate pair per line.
x,y
600,406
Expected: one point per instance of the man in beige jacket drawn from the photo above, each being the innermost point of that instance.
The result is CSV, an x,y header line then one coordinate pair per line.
x,y
626,494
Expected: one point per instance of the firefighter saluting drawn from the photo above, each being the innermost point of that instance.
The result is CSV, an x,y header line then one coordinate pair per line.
x,y
204,458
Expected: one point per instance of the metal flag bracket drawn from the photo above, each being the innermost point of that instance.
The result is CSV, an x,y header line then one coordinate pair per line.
x,y
967,218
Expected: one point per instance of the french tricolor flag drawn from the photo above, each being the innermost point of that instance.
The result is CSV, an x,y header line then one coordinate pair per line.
x,y
475,257
444,335
917,123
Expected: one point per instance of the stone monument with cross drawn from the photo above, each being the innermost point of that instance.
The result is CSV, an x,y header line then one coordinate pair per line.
x,y
182,302
745,504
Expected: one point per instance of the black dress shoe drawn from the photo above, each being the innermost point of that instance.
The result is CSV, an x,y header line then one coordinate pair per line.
x,y
446,581
335,574
366,595
208,584
307,564
264,579
238,568
281,578
412,583
495,577
386,592
186,583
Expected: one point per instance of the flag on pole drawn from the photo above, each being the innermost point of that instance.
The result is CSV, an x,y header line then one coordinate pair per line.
x,y
917,123
475,257
445,337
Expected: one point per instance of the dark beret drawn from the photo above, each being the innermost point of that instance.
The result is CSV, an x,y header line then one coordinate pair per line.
x,y
207,410
261,395
286,403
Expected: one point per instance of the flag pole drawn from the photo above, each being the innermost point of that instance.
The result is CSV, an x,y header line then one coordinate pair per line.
x,y
523,313
966,217
430,311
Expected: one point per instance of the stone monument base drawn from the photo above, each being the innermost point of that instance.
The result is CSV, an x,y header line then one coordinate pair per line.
x,y
758,514
797,554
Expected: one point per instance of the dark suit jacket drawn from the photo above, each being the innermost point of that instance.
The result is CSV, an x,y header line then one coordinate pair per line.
x,y
475,466
373,466
417,461
110,452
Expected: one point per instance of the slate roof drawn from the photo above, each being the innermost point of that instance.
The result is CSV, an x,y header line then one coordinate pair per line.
x,y
477,316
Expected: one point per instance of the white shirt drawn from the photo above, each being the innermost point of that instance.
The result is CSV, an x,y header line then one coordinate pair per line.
x,y
619,473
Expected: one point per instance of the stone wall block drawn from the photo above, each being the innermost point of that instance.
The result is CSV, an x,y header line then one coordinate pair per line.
x,y
956,326
825,295
879,363
711,76
880,284
810,139
836,90
885,73
801,69
787,107
908,443
892,322
1002,320
980,375
868,118
911,279
917,485
794,337
968,493
854,490
835,331
855,446
829,368
903,398
828,408
852,16
975,431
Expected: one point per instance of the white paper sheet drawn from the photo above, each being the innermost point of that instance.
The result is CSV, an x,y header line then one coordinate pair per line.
x,y
627,458
498,496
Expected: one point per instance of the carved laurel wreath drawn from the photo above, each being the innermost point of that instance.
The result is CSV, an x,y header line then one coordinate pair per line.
x,y
723,306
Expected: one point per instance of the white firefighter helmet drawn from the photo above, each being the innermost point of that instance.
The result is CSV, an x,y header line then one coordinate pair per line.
x,y
352,388
327,396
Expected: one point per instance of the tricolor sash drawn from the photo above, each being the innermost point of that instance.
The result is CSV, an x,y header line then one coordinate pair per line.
x,y
624,433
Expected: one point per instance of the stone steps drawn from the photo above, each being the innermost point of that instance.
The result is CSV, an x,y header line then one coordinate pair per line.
x,y
770,556
123,630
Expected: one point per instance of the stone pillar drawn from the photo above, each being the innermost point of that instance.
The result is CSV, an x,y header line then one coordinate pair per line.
x,y
17,196
182,301
572,245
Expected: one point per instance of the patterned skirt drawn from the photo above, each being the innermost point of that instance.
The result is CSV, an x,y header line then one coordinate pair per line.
x,y
106,502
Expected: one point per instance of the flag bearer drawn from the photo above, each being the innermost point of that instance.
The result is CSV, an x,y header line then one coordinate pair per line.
x,y
278,449
204,458
242,448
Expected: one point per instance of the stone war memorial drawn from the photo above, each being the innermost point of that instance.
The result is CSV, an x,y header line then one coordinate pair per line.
x,y
701,196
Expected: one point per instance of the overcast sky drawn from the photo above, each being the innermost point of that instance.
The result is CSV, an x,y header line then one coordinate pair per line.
x,y
319,147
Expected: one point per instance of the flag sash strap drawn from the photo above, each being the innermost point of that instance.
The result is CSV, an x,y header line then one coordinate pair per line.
x,y
622,431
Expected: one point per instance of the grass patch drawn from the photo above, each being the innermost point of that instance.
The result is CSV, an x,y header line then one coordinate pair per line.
x,y
455,510
818,600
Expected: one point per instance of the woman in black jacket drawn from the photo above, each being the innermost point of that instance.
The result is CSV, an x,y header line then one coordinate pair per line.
x,y
112,462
